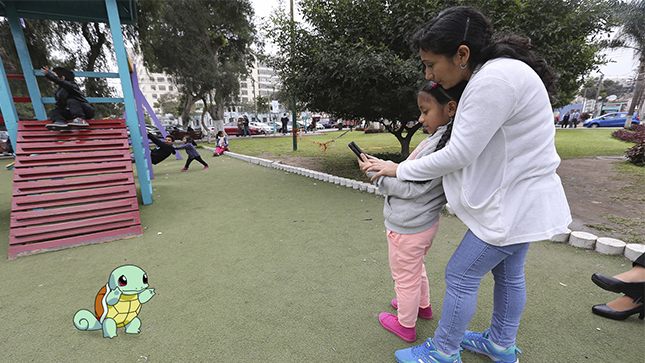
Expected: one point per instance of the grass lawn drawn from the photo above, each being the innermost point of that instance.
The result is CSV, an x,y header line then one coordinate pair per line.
x,y
339,160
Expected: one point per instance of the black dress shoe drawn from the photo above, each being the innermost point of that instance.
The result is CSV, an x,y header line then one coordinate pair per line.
x,y
615,285
607,312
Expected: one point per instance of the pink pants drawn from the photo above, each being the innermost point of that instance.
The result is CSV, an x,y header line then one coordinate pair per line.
x,y
406,253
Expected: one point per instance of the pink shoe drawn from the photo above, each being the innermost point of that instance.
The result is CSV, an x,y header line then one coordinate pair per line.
x,y
425,313
184,169
206,167
391,323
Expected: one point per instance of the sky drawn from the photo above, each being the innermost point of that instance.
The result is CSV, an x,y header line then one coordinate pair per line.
x,y
623,63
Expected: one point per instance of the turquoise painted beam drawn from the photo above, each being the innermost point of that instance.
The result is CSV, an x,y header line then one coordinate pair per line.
x,y
90,99
38,73
25,61
130,108
7,106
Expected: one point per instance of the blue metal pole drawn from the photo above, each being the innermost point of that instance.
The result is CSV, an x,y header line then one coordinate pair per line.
x,y
130,108
7,107
25,61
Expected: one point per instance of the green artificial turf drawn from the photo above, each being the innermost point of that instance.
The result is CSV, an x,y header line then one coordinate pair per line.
x,y
253,264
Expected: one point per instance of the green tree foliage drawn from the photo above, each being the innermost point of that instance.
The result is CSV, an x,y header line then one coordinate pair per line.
x,y
168,103
203,44
353,58
90,51
609,87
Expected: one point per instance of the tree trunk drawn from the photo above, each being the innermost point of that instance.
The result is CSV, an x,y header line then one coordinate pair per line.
x,y
638,90
189,101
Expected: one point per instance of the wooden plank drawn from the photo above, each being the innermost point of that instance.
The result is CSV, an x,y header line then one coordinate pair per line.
x,y
63,185
24,250
71,146
29,161
71,198
53,215
72,135
72,187
54,231
93,124
66,171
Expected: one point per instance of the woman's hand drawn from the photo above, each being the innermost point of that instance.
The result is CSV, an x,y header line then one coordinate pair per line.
x,y
382,167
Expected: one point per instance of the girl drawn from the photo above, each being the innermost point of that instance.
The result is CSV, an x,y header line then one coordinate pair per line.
x,y
221,143
411,214
498,175
193,154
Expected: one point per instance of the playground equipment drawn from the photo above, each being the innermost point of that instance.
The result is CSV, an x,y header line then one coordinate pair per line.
x,y
78,187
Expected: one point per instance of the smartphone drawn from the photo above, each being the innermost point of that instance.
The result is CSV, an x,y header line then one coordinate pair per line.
x,y
357,150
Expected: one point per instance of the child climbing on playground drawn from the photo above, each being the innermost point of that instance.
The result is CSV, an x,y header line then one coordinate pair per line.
x,y
412,211
70,102
189,145
221,144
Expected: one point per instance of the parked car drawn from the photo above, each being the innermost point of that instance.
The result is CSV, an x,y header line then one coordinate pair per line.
x,y
154,130
261,125
178,132
301,125
231,129
614,119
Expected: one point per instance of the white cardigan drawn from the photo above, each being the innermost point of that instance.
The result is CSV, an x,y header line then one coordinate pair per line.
x,y
499,167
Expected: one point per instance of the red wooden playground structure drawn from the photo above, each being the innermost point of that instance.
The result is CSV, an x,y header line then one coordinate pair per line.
x,y
73,187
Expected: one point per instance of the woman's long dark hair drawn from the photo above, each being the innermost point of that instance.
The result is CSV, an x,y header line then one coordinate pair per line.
x,y
464,25
443,96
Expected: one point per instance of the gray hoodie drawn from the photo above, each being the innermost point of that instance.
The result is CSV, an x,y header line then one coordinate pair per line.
x,y
412,207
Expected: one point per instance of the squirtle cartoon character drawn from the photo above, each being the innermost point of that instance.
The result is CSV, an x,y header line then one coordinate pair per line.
x,y
118,303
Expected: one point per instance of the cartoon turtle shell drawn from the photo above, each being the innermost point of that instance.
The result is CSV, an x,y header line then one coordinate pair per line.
x,y
126,309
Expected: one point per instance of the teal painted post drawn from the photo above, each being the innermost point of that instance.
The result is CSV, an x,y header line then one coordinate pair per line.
x,y
25,61
7,106
130,107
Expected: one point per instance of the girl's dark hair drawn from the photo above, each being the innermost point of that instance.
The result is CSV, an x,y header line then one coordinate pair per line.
x,y
464,25
60,71
189,140
219,133
443,96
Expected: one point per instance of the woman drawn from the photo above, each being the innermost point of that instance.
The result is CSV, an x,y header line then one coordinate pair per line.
x,y
498,174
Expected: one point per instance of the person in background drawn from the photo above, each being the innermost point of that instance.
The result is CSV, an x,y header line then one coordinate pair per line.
x,y
240,127
221,144
245,124
630,283
189,145
163,150
70,102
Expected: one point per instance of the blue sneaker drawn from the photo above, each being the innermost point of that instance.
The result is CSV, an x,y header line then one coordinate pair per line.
x,y
424,353
479,343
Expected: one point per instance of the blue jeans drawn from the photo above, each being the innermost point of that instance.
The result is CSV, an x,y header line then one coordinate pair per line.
x,y
468,265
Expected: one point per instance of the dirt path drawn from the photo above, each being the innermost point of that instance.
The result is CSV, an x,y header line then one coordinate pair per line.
x,y
603,200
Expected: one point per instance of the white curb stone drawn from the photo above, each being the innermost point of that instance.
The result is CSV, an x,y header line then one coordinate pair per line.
x,y
582,240
562,237
633,250
610,246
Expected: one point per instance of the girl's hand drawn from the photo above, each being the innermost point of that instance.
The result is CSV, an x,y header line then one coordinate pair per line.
x,y
364,163
382,167
45,69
